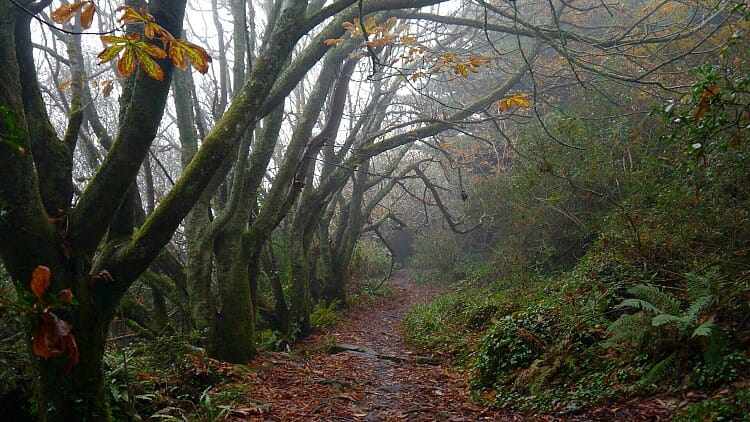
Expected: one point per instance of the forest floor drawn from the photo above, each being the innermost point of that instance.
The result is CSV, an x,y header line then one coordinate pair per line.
x,y
386,380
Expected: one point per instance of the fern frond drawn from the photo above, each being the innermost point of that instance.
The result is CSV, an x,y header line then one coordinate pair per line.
x,y
697,306
660,370
660,299
627,329
701,284
663,319
706,329
639,304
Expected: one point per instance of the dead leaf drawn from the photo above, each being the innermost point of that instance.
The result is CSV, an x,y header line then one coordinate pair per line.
x,y
64,297
40,281
54,337
705,103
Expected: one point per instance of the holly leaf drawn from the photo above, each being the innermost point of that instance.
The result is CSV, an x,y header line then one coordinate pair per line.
x,y
54,337
40,281
197,55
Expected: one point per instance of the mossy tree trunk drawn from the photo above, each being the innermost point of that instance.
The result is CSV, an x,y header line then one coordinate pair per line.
x,y
231,337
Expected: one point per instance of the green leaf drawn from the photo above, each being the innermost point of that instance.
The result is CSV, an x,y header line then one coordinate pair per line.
x,y
705,329
639,304
664,319
110,53
149,65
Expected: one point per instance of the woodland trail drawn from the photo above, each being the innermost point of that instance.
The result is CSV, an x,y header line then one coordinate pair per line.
x,y
354,386
384,384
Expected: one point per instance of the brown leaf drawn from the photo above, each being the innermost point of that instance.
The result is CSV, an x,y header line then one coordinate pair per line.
x,y
64,296
53,338
130,15
47,340
127,63
40,281
107,87
66,12
65,85
197,55
87,16
333,41
705,102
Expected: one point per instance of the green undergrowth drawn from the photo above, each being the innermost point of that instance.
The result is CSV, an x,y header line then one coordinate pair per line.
x,y
584,338
167,379
724,406
656,298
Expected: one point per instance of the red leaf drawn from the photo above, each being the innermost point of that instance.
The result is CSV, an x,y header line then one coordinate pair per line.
x,y
53,338
40,281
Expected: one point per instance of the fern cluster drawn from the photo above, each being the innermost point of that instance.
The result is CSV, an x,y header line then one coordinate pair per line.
x,y
664,324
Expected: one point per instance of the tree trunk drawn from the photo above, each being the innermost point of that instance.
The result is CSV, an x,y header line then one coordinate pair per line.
x,y
300,296
231,336
77,394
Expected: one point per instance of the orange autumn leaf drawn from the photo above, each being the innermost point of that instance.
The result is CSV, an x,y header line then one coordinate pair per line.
x,y
333,41
149,65
134,50
126,64
131,15
66,12
53,338
515,100
196,55
40,281
705,102
87,16
64,297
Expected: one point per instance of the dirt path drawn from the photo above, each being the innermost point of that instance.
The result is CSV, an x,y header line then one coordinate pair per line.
x,y
386,383
354,386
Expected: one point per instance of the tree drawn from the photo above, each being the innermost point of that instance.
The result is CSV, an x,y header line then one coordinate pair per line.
x,y
95,248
